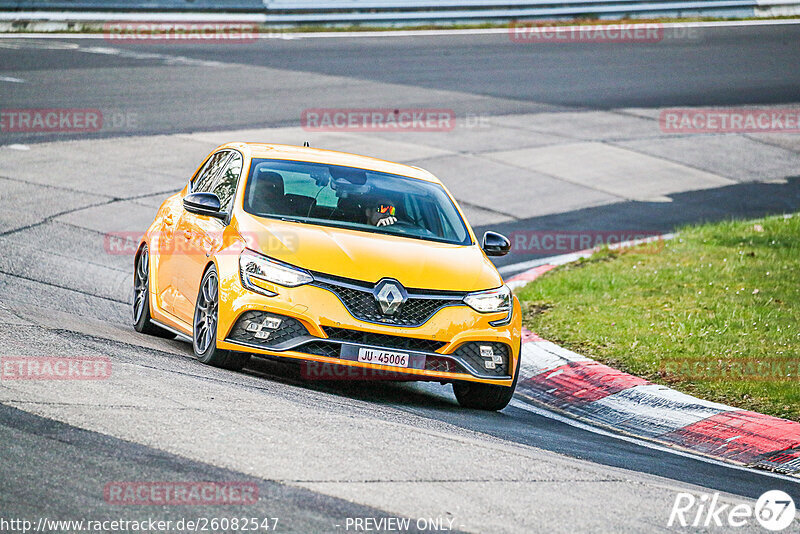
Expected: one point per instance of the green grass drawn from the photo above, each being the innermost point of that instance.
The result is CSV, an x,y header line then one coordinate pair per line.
x,y
724,297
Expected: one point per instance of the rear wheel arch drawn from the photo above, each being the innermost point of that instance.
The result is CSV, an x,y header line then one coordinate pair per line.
x,y
138,253
144,322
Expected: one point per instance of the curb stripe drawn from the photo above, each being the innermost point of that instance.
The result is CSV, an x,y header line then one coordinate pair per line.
x,y
529,276
578,383
641,442
651,410
541,356
742,436
529,337
782,462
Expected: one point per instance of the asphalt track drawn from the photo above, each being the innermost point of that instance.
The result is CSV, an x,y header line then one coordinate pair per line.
x,y
321,453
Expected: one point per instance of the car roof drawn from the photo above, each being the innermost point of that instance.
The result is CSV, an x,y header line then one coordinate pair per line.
x,y
332,157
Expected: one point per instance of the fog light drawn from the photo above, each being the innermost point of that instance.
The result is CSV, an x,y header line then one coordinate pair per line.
x,y
273,323
497,359
489,364
262,329
486,351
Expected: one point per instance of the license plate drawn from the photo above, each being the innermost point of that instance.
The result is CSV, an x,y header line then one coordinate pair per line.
x,y
383,357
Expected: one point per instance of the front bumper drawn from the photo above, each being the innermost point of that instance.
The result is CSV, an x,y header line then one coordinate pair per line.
x,y
316,326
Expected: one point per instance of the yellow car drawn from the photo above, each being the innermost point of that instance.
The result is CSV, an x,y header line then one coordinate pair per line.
x,y
333,260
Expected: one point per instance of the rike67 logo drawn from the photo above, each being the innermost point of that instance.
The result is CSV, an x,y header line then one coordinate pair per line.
x,y
774,511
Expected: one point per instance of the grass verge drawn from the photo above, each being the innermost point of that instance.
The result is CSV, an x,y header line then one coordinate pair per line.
x,y
714,312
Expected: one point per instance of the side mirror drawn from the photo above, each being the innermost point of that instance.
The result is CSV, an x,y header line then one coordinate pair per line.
x,y
203,204
495,244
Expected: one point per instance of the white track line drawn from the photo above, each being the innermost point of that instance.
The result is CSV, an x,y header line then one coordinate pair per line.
x,y
644,443
330,34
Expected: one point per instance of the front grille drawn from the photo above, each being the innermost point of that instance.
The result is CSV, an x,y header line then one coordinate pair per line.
x,y
289,329
320,348
383,340
442,364
471,353
358,299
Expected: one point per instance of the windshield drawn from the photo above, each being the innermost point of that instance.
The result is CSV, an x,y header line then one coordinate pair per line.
x,y
353,198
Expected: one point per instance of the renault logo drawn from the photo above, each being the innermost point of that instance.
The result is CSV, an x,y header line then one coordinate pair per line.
x,y
390,295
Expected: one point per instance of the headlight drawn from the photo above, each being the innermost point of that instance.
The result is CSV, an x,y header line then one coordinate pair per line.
x,y
493,300
254,266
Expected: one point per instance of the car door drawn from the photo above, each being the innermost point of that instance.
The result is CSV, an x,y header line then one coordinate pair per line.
x,y
179,259
162,248
201,236
167,253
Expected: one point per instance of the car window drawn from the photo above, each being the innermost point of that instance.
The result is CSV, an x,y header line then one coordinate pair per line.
x,y
205,178
225,184
358,199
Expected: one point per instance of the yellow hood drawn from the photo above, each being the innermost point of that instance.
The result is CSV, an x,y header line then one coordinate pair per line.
x,y
369,257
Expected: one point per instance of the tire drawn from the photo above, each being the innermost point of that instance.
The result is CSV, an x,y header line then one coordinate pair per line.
x,y
486,396
204,327
142,321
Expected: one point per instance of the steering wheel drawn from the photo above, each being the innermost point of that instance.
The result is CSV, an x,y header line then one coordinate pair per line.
x,y
403,224
409,228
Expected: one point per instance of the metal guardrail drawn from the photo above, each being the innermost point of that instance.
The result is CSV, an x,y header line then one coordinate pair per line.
x,y
578,8
384,11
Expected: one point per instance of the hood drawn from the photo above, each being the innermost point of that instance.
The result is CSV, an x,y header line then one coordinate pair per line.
x,y
365,256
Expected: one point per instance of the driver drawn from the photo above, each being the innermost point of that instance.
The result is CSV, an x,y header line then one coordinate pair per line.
x,y
381,215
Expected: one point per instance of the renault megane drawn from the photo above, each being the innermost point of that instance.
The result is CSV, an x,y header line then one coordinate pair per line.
x,y
330,259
